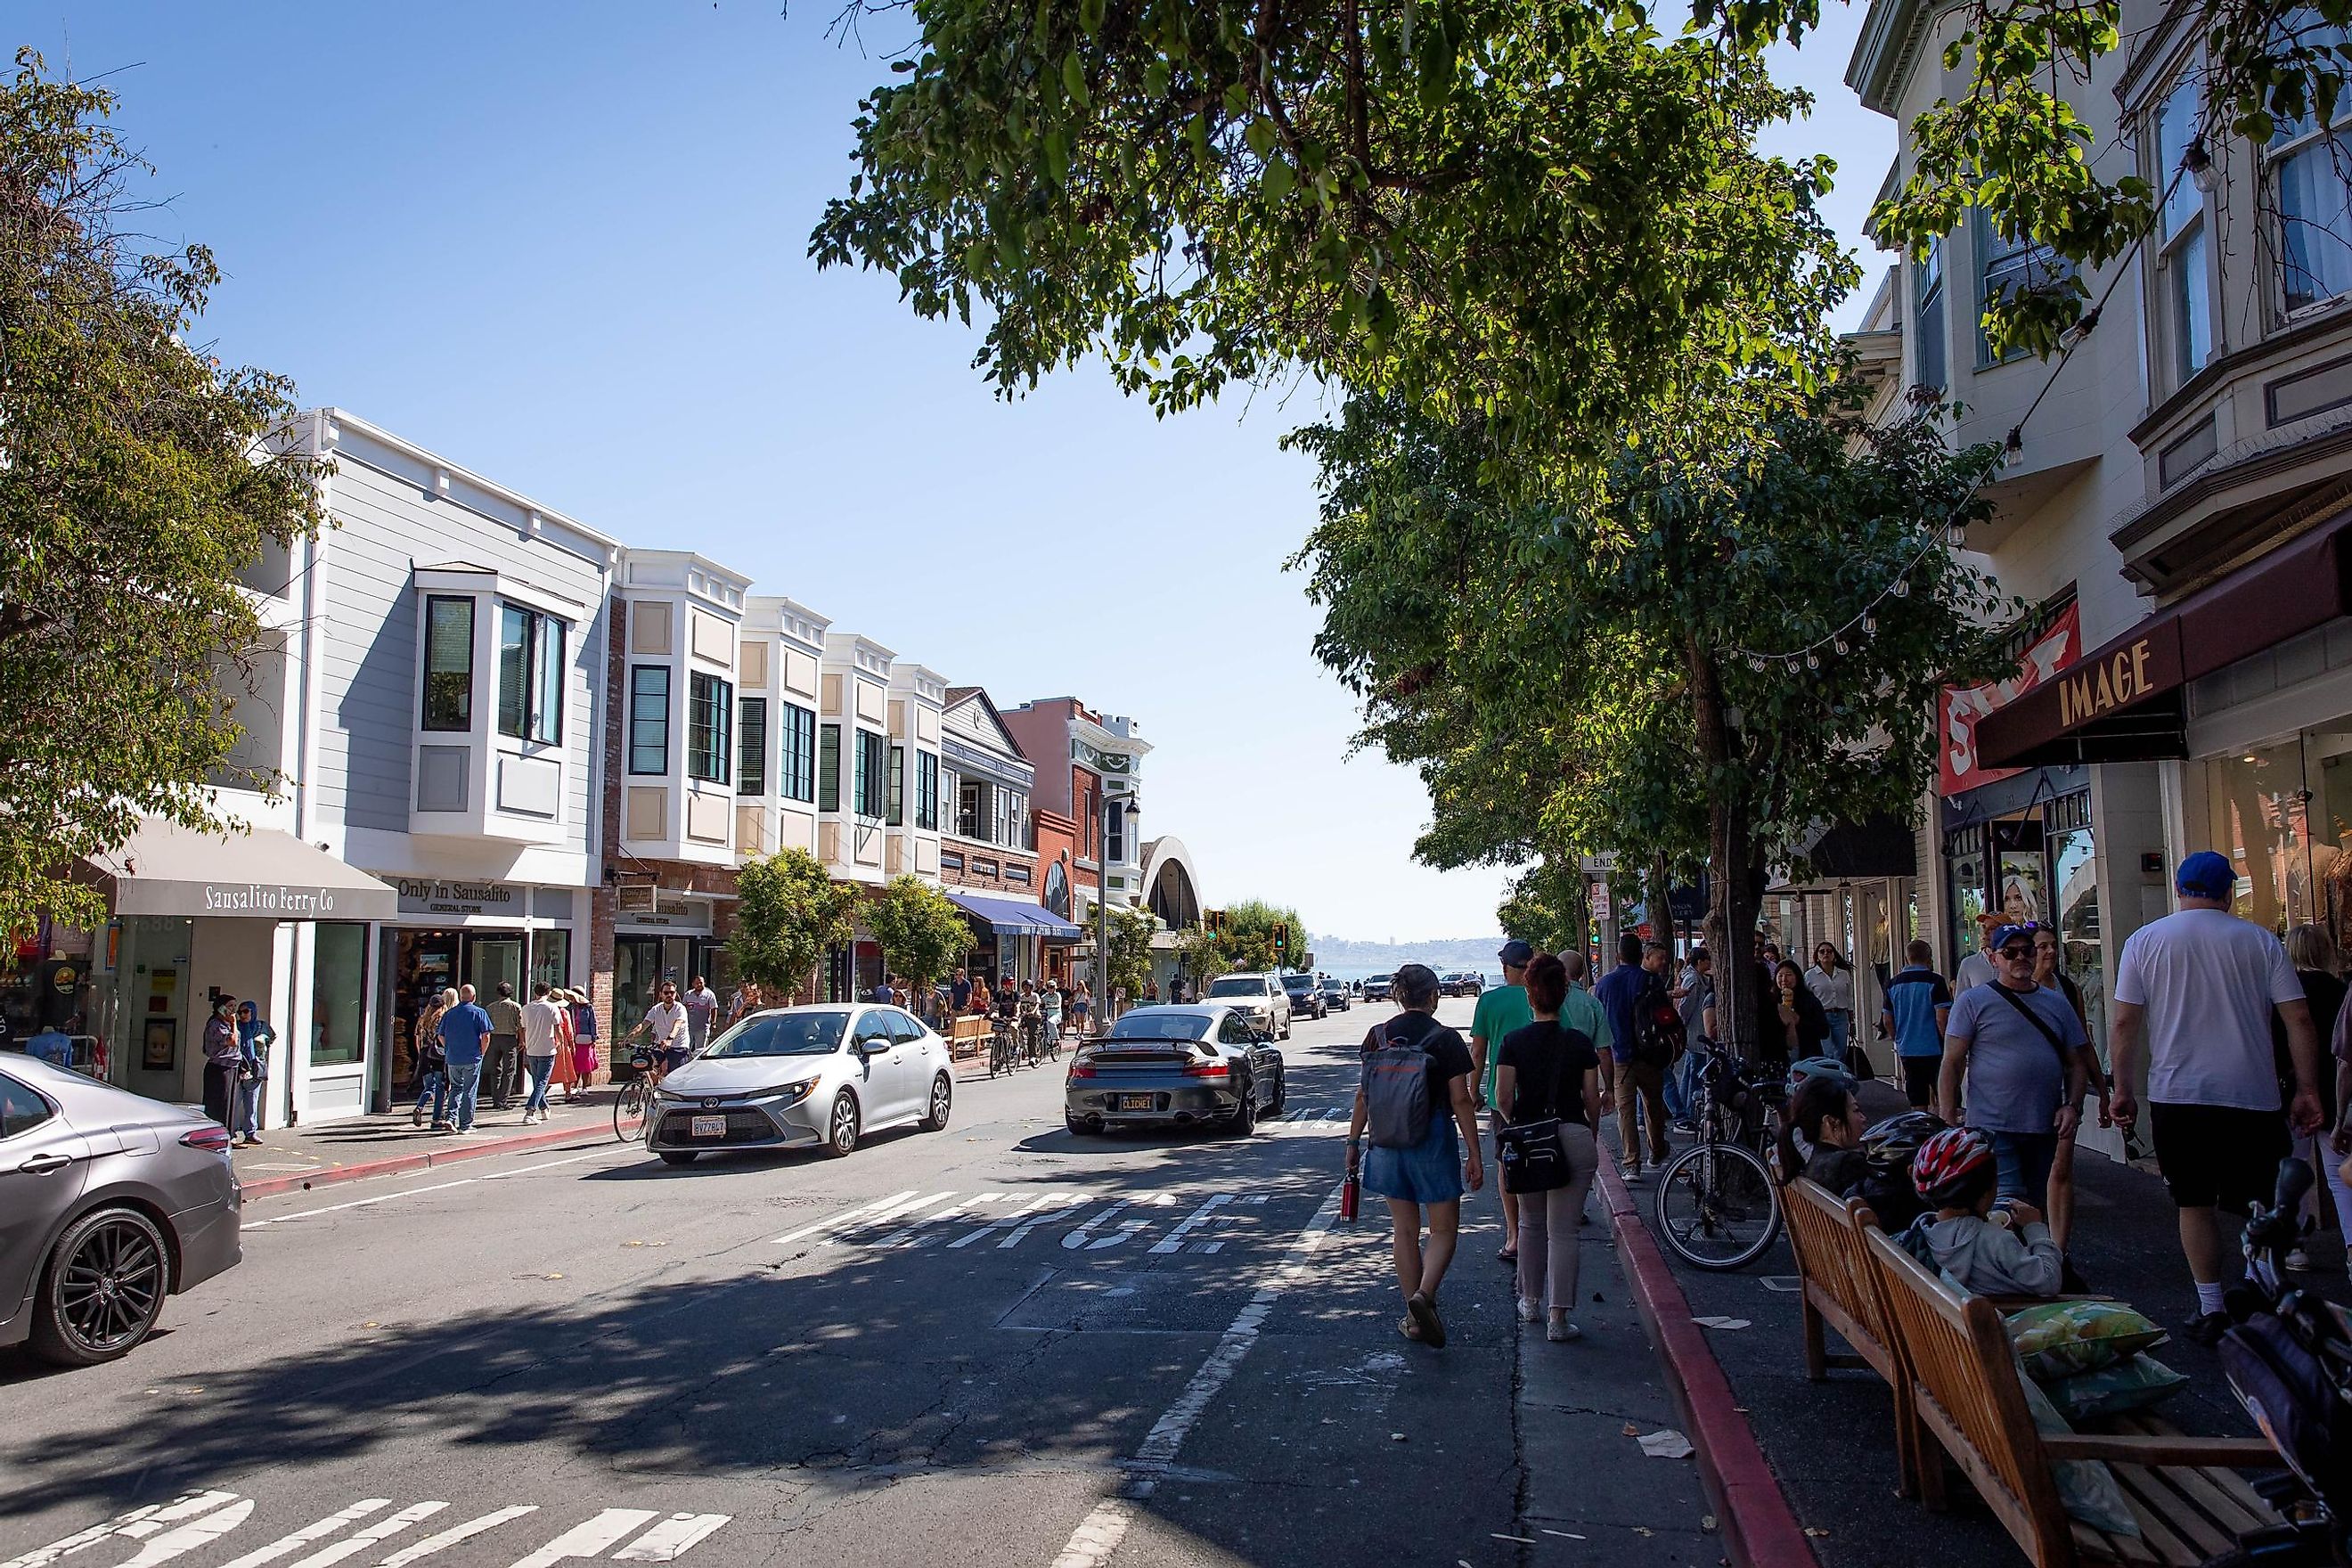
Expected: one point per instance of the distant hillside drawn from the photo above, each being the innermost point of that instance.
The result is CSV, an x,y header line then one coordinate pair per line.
x,y
1336,953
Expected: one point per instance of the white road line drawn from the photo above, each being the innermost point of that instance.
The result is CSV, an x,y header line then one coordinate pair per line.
x,y
1059,1211
196,1533
999,1223
433,1187
310,1533
176,1511
844,1218
671,1538
546,1165
40,1557
1131,1228
1226,1220
455,1533
587,1539
915,1235
901,1212
1102,1531
383,1531
1174,1240
1078,1237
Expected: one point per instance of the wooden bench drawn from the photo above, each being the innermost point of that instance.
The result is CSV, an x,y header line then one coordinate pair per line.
x,y
970,1030
1839,1291
1966,1403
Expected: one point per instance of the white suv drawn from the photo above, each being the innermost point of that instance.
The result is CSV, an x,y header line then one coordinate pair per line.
x,y
1258,998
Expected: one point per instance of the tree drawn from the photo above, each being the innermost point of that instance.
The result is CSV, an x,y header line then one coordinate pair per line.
x,y
1540,211
787,913
1546,906
1707,666
921,934
1131,931
139,479
1246,941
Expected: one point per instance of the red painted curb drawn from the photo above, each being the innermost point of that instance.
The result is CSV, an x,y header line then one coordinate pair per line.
x,y
1759,1528
422,1159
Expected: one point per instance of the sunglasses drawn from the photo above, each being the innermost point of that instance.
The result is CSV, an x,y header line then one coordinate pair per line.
x,y
2017,953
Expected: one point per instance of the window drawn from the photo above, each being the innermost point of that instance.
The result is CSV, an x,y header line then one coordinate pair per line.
x,y
949,860
649,718
2306,168
1118,829
796,756
872,782
530,675
339,994
1013,873
710,728
448,664
971,808
927,791
1000,828
21,1109
828,768
2181,228
2008,268
751,766
1927,280
898,815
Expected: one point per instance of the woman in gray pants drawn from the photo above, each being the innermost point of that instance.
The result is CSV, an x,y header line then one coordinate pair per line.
x,y
1545,1072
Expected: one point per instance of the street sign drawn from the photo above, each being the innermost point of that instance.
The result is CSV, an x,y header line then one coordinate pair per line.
x,y
1644,930
1600,901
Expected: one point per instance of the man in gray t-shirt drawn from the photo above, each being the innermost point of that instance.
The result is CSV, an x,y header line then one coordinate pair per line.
x,y
2014,1043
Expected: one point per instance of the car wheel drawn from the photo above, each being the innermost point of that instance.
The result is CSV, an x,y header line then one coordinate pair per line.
x,y
677,1156
104,1289
1073,1124
1243,1121
841,1131
1281,1093
942,1098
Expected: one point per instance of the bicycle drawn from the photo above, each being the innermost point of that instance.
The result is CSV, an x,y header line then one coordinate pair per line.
x,y
632,1104
1003,1054
1033,1032
1717,1205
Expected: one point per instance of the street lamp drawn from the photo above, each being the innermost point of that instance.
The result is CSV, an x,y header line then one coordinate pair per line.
x,y
1102,897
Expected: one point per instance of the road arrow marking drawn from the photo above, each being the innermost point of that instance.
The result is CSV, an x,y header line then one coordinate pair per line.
x,y
194,1533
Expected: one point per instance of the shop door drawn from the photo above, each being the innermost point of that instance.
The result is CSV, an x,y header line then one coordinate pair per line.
x,y
1871,964
636,976
493,961
424,964
2076,883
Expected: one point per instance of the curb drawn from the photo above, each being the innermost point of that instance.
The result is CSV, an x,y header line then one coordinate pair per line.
x,y
1759,1528
422,1159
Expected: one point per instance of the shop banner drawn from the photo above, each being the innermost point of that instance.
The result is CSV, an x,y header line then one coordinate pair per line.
x,y
1960,707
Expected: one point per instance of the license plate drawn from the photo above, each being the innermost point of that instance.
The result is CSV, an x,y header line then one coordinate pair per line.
x,y
709,1127
1135,1102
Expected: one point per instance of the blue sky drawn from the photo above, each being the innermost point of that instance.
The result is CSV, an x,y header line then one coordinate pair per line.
x,y
564,246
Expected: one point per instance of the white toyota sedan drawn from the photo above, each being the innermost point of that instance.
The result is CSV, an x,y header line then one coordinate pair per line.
x,y
804,1078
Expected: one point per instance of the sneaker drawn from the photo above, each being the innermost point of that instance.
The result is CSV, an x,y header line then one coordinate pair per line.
x,y
1686,1127
1630,1174
2297,1259
2206,1328
443,1127
416,1117
1560,1332
1529,1312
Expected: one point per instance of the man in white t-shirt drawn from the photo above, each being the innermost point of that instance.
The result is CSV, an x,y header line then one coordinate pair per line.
x,y
701,1007
665,1025
542,1022
2201,985
1978,968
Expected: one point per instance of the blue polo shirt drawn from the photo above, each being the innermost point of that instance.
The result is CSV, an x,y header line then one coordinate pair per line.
x,y
463,1029
1619,993
1913,994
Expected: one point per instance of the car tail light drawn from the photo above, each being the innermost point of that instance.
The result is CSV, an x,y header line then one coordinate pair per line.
x,y
1080,1070
212,1137
1207,1069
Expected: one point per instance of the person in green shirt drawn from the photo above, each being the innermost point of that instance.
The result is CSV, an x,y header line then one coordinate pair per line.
x,y
1499,1012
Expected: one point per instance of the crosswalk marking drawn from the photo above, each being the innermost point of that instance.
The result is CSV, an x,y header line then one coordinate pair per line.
x,y
915,1234
310,1533
366,1538
1062,1210
866,1208
1002,1222
472,1527
671,1538
196,1533
1174,1240
138,1525
606,1529
899,1211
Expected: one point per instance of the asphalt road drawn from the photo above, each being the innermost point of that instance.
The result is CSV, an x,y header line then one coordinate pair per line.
x,y
996,1345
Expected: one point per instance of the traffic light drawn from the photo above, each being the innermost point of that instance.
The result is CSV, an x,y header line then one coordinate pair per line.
x,y
1281,937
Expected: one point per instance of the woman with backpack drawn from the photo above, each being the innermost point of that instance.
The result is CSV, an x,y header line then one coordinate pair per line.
x,y
1546,1099
1415,1100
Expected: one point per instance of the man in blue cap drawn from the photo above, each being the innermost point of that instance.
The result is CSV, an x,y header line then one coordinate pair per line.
x,y
2200,986
1499,1012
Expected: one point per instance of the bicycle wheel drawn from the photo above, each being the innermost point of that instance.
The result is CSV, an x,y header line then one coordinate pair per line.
x,y
1717,1207
629,1112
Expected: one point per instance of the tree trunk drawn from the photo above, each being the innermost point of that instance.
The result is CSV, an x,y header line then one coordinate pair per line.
x,y
1732,890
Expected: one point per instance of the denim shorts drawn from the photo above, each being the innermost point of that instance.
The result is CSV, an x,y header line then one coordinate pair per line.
x,y
1428,1172
2025,1160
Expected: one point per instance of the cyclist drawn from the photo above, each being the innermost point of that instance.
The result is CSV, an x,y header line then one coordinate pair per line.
x,y
1049,1012
1033,1022
1888,1149
1823,1136
1985,1251
665,1027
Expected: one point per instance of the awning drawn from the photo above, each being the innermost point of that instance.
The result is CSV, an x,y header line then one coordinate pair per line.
x,y
1013,917
1881,845
265,873
2123,702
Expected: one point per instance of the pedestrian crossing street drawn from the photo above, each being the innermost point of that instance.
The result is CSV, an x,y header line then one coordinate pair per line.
x,y
1162,1223
187,1526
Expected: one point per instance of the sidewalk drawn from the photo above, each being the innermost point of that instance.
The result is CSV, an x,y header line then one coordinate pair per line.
x,y
1830,1445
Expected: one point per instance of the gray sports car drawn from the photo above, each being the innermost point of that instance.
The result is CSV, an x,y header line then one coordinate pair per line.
x,y
1186,1065
109,1201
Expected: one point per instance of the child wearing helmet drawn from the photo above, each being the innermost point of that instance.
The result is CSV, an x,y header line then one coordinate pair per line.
x,y
1983,1251
1888,1149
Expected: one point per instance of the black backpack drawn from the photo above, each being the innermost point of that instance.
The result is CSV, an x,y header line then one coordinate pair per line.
x,y
1657,1027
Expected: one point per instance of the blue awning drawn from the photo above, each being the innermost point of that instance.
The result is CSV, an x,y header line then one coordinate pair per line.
x,y
1013,917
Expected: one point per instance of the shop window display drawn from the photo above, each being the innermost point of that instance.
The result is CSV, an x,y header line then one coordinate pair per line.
x,y
338,993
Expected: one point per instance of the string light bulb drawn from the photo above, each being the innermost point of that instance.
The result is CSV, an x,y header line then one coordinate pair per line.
x,y
1838,644
1870,625
1902,589
1813,661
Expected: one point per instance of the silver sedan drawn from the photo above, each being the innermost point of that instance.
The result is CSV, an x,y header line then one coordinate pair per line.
x,y
804,1078
109,1201
1204,1065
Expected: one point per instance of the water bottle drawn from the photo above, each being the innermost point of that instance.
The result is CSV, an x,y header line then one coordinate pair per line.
x,y
1351,1191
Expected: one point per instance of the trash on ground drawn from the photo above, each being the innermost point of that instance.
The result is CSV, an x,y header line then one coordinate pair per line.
x,y
1721,1322
1667,1444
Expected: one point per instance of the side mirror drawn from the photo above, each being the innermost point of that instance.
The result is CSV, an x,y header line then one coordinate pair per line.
x,y
874,1045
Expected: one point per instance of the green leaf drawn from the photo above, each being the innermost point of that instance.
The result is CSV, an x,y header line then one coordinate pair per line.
x,y
1074,78
1260,135
1279,180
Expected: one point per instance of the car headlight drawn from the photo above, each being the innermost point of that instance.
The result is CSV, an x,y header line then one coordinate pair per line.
x,y
793,1094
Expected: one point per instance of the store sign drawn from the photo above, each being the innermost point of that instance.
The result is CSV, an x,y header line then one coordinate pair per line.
x,y
428,896
1960,708
2141,668
269,898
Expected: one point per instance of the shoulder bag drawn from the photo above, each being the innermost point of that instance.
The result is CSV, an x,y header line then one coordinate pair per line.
x,y
2041,1024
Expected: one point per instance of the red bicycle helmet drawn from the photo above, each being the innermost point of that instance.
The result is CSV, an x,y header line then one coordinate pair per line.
x,y
1946,1162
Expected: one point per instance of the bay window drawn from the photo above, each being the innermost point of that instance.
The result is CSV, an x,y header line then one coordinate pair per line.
x,y
828,769
2181,231
649,718
927,791
530,675
897,803
796,752
751,766
448,664
1928,284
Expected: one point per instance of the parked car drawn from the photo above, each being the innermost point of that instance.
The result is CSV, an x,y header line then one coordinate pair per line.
x,y
1205,1063
1306,993
1258,998
804,1078
1336,996
1461,982
1376,987
108,1203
